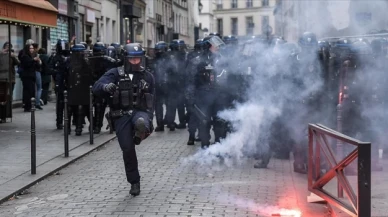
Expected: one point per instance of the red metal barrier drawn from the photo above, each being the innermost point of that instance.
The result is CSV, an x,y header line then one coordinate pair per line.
x,y
319,146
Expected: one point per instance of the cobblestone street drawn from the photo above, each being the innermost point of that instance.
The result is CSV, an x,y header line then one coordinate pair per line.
x,y
96,186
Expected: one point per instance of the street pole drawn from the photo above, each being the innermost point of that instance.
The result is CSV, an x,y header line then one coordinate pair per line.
x,y
121,30
33,137
67,125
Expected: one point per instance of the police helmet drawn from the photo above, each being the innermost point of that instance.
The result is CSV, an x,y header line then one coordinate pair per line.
x,y
78,48
308,40
111,52
134,57
115,44
84,44
278,41
161,47
361,47
215,34
212,40
178,45
199,44
230,39
379,45
323,44
99,48
63,47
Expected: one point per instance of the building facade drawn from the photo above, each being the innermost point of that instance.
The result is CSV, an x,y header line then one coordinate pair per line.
x,y
109,24
206,16
159,21
244,17
139,24
88,13
195,31
181,20
331,18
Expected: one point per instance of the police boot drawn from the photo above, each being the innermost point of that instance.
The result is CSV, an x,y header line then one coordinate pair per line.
x,y
78,131
205,145
300,168
140,131
96,130
135,189
260,165
160,127
181,126
191,140
172,126
263,163
96,119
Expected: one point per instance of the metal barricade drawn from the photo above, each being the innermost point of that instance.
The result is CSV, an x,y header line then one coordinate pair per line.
x,y
319,146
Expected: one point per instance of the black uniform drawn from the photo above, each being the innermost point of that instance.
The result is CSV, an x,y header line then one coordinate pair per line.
x,y
202,91
60,69
79,80
99,63
132,104
160,73
176,82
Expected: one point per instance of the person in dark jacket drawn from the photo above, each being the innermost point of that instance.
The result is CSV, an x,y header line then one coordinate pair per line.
x,y
14,62
46,75
29,65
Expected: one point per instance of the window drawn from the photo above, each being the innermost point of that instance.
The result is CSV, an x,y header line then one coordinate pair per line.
x,y
234,26
234,4
249,25
219,4
114,32
220,26
264,3
249,3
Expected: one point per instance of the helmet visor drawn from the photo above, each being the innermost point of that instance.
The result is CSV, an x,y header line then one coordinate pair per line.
x,y
216,41
134,63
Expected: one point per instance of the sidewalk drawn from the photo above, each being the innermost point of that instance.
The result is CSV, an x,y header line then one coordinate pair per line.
x,y
15,146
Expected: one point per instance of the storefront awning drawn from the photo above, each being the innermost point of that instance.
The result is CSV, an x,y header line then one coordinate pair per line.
x,y
30,12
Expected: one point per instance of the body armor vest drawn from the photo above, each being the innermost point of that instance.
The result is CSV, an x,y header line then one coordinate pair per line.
x,y
130,95
207,77
125,97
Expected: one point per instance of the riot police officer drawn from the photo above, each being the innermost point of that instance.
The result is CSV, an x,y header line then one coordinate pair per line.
x,y
198,48
79,80
193,122
202,90
307,68
132,90
99,63
176,81
160,82
115,60
60,69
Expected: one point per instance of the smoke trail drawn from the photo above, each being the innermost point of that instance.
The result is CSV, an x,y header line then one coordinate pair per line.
x,y
282,83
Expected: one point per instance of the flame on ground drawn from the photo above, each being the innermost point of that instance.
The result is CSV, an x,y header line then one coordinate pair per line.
x,y
288,212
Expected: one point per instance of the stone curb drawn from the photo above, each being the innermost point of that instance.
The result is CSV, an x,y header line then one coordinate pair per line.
x,y
47,174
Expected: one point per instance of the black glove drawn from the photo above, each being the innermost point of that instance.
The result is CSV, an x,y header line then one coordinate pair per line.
x,y
110,88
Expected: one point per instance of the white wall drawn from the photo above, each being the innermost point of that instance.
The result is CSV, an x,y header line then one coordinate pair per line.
x,y
109,13
241,12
